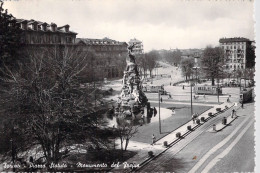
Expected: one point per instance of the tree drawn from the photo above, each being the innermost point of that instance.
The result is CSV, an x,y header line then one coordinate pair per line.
x,y
250,56
186,67
212,61
151,58
48,107
141,61
125,132
10,39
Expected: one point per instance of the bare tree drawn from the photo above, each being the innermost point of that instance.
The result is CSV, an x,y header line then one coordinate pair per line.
x,y
47,105
151,58
186,66
125,131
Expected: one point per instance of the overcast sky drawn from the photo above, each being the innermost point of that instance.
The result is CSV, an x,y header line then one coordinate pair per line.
x,y
160,24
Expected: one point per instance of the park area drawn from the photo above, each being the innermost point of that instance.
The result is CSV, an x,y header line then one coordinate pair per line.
x,y
182,116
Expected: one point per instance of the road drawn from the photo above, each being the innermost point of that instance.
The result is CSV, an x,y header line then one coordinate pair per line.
x,y
229,150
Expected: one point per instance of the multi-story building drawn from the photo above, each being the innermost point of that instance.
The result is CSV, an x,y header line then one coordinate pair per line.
x,y
237,51
138,46
42,33
110,56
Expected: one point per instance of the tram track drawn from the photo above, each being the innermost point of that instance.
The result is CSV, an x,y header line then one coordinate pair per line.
x,y
176,146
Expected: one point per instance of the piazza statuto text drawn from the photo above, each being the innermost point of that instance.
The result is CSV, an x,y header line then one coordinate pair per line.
x,y
78,165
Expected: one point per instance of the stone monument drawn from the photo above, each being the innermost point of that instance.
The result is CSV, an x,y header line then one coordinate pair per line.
x,y
132,100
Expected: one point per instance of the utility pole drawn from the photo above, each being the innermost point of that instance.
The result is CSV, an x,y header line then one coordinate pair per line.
x,y
191,99
159,99
218,87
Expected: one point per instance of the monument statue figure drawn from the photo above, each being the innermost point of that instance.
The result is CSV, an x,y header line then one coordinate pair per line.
x,y
131,97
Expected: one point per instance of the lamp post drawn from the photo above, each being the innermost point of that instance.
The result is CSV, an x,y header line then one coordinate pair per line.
x,y
196,67
191,110
159,99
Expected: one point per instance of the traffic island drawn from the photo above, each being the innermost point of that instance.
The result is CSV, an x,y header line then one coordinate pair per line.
x,y
223,123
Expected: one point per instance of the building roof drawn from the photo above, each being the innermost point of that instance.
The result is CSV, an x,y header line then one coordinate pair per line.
x,y
104,41
59,29
234,39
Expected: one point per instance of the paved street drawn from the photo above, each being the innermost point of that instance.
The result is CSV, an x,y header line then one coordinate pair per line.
x,y
200,151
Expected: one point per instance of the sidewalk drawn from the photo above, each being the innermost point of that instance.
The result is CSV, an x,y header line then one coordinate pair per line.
x,y
158,147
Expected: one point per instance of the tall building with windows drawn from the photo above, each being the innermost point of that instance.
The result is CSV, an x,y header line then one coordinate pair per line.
x,y
42,33
138,46
110,56
237,51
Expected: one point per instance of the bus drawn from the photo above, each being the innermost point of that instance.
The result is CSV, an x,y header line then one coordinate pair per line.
x,y
207,90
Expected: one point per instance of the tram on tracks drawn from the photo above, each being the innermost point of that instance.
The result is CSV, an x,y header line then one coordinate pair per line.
x,y
246,95
207,90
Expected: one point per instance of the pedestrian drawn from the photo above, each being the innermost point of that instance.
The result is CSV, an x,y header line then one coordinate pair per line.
x,y
154,111
173,112
228,99
233,113
183,87
204,96
170,84
242,104
193,118
161,99
153,139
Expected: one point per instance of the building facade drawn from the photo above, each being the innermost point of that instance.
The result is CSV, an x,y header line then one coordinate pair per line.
x,y
138,46
109,60
237,52
110,56
42,33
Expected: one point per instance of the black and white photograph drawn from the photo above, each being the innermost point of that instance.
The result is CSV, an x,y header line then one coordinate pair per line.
x,y
123,86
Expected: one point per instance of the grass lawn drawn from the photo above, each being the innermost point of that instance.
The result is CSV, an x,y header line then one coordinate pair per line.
x,y
183,115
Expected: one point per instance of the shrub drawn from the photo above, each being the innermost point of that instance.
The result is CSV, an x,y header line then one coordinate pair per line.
x,y
178,135
150,154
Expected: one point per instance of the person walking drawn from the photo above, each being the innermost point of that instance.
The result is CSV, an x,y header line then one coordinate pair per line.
x,y
228,99
173,112
242,103
193,118
183,87
153,139
161,100
154,111
233,113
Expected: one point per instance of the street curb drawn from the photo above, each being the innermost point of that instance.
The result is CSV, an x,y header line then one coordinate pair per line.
x,y
227,124
177,128
178,139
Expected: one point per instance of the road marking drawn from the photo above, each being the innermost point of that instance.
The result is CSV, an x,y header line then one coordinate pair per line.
x,y
227,150
218,146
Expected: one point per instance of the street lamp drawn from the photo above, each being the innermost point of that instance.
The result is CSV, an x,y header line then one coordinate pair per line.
x,y
159,99
196,67
191,98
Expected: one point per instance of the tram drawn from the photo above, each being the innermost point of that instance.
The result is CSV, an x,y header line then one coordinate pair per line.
x,y
246,95
207,90
154,89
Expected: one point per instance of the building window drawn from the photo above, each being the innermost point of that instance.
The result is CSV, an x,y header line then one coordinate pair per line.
x,y
68,39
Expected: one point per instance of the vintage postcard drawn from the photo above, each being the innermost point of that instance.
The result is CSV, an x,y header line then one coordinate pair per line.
x,y
127,86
